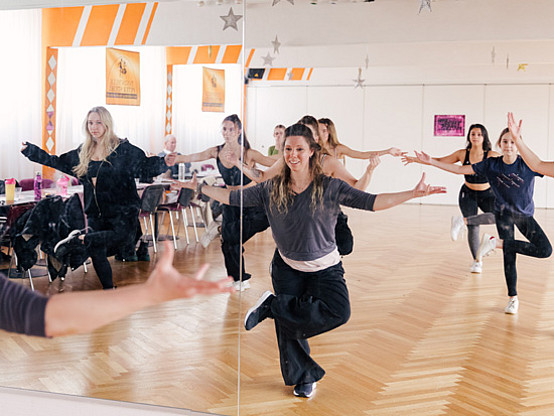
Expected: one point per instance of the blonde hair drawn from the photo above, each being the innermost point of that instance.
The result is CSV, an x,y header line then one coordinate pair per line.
x,y
109,141
281,192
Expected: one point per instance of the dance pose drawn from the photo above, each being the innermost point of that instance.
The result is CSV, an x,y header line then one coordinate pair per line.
x,y
475,192
31,313
107,167
254,220
311,296
512,182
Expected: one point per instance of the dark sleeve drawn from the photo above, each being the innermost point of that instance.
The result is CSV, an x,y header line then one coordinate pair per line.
x,y
252,196
352,197
64,163
21,310
149,167
481,168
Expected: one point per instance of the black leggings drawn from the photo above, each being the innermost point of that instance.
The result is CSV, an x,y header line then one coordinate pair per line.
x,y
538,245
306,304
469,201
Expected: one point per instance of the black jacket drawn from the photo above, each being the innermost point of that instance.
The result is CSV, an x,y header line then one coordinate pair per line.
x,y
115,192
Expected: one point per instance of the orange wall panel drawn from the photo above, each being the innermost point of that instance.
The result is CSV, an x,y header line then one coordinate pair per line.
x,y
99,25
59,25
130,24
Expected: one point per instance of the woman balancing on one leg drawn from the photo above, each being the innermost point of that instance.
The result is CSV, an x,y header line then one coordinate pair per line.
x,y
475,193
512,182
310,296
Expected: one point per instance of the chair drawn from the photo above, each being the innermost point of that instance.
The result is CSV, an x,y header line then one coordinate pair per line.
x,y
29,184
207,166
149,202
183,201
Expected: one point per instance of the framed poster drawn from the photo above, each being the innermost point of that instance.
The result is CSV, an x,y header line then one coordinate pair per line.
x,y
122,77
447,125
213,90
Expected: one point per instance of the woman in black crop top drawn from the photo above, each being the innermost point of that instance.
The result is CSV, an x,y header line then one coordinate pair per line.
x,y
254,219
475,193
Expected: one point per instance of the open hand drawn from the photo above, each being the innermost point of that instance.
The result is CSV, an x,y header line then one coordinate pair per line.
x,y
396,152
408,159
170,159
423,189
374,161
515,128
423,157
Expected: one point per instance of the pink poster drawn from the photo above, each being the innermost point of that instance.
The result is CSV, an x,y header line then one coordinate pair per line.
x,y
450,125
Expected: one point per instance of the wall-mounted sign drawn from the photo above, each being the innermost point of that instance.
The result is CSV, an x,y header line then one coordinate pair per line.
x,y
122,77
213,90
450,125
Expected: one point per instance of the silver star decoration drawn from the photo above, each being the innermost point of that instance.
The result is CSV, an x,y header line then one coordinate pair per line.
x,y
268,59
359,81
493,55
277,1
276,45
425,4
231,20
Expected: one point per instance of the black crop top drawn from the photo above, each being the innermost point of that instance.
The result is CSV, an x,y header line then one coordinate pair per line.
x,y
231,176
474,178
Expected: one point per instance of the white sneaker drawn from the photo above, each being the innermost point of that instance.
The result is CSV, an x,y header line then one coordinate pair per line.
x,y
456,225
512,306
241,286
211,232
488,244
476,267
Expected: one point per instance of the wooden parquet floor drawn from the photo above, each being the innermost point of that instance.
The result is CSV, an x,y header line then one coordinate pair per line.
x,y
426,337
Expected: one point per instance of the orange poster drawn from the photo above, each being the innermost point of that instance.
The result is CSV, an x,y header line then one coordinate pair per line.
x,y
122,77
213,90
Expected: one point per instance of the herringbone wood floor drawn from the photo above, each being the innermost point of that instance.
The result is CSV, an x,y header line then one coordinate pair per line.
x,y
426,337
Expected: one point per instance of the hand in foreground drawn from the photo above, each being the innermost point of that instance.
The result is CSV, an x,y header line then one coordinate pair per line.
x,y
192,184
423,157
422,189
374,161
515,128
231,157
166,283
408,159
396,152
170,159
23,146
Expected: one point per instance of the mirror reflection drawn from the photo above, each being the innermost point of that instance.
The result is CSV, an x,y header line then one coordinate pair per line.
x,y
102,208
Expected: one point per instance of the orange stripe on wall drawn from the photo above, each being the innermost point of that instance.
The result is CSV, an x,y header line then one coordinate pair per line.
x,y
147,31
297,74
177,55
59,25
310,74
130,24
250,57
206,54
99,25
232,54
277,74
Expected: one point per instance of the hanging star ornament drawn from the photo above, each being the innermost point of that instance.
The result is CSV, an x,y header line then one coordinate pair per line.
x,y
358,82
277,1
425,4
268,59
276,45
522,67
231,20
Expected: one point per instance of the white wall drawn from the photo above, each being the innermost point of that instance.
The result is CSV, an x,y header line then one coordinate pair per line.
x,y
381,116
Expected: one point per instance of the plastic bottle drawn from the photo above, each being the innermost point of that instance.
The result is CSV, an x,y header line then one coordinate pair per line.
x,y
38,187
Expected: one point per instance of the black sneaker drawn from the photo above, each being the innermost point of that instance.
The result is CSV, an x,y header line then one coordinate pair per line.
x,y
259,311
62,247
305,390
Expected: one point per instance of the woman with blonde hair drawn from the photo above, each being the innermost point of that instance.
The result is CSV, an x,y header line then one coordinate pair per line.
x,y
302,205
107,167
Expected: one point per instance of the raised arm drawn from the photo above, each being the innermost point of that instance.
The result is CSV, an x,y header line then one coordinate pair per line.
x,y
70,313
449,167
356,154
532,160
457,156
389,200
332,167
257,157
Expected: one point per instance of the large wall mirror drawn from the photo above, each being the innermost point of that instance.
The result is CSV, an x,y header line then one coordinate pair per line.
x,y
380,70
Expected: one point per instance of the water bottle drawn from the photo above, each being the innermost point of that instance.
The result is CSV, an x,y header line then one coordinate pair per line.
x,y
181,175
38,187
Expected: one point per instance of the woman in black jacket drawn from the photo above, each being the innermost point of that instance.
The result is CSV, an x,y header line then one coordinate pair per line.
x,y
107,167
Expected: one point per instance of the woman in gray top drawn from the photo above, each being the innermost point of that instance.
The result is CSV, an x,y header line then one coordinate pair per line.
x,y
302,206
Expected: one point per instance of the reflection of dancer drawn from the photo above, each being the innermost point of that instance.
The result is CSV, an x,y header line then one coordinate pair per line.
x,y
279,134
513,206
254,220
107,167
475,193
310,292
30,313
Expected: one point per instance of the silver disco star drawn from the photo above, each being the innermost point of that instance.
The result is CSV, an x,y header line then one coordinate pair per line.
x,y
425,4
358,82
231,19
268,59
276,45
277,1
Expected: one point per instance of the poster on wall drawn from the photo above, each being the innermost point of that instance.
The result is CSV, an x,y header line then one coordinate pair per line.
x,y
122,77
448,125
213,90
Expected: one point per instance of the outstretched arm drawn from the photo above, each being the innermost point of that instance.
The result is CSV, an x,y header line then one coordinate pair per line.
x,y
210,153
449,167
457,156
532,160
81,312
356,154
389,200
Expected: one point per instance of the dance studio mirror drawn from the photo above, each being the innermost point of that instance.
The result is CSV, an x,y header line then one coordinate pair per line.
x,y
182,354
